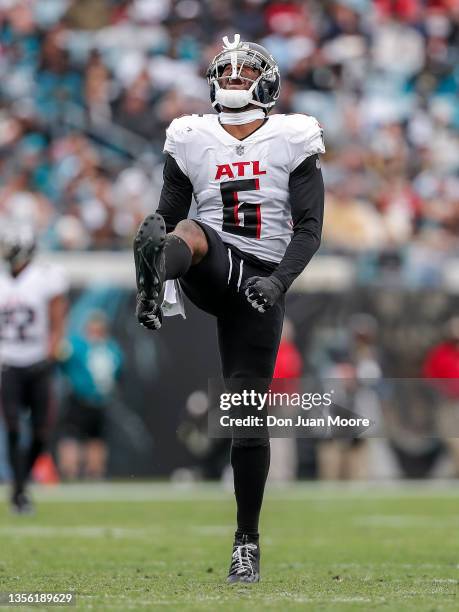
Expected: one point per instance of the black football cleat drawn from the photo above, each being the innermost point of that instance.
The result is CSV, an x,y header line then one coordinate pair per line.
x,y
21,503
150,270
245,562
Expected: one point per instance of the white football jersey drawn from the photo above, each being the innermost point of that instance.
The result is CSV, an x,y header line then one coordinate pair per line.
x,y
241,186
24,314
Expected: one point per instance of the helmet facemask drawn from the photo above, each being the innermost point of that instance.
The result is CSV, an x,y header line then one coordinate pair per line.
x,y
263,91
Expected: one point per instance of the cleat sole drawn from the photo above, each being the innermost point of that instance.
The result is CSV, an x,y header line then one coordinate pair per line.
x,y
148,248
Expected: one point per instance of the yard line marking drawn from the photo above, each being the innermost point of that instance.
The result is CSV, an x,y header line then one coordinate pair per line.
x,y
406,521
98,531
315,493
212,530
27,531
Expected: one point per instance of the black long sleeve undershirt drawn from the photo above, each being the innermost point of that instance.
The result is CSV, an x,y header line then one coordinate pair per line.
x,y
306,189
175,199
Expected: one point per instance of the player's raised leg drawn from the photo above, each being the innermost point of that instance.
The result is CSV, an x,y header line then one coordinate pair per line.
x,y
159,257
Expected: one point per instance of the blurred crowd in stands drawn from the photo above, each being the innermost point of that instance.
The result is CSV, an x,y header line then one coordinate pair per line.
x,y
87,88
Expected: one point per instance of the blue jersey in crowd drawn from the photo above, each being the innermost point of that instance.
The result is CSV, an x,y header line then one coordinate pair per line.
x,y
92,368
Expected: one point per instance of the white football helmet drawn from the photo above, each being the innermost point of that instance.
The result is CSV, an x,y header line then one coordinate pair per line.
x,y
18,244
263,92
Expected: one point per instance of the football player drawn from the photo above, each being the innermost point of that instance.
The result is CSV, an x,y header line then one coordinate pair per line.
x,y
259,191
32,319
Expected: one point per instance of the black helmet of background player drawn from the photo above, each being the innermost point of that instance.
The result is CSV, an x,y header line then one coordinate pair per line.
x,y
18,246
263,92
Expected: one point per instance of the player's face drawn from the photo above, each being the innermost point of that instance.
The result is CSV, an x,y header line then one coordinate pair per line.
x,y
16,267
245,79
15,263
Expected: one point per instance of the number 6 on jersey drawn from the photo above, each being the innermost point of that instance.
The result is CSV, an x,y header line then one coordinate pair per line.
x,y
242,219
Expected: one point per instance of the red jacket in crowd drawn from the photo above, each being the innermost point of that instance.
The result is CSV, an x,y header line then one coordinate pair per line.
x,y
442,361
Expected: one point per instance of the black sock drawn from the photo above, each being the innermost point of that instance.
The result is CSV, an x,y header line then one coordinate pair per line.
x,y
15,459
178,256
36,448
250,465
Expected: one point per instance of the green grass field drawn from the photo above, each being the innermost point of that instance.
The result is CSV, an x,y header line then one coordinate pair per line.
x,y
154,546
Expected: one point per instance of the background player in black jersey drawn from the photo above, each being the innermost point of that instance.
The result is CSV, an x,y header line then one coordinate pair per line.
x,y
260,195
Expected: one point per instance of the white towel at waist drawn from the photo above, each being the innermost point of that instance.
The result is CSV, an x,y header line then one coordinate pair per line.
x,y
173,299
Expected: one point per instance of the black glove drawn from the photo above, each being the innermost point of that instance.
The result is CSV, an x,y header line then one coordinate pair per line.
x,y
148,313
263,291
